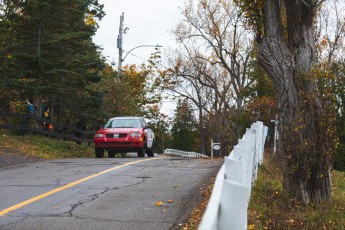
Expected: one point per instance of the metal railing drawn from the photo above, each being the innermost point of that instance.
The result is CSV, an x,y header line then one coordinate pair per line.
x,y
183,153
228,205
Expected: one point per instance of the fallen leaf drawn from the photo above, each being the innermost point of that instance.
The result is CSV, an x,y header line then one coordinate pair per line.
x,y
251,227
170,201
159,203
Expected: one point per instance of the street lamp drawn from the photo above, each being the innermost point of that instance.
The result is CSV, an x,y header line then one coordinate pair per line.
x,y
119,44
122,59
156,46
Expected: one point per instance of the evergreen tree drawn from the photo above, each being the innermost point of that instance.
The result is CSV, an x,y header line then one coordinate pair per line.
x,y
7,11
50,53
184,131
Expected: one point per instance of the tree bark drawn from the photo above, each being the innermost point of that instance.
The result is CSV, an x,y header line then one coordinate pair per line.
x,y
289,62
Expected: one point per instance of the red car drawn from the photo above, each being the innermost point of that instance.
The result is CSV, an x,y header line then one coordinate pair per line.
x,y
124,134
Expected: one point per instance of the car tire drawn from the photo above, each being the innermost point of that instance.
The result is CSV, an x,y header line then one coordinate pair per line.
x,y
141,151
99,152
150,151
111,154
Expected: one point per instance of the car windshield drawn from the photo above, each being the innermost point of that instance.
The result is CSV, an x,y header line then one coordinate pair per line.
x,y
123,123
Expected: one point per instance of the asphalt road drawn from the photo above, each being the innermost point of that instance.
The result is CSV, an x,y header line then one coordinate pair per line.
x,y
108,193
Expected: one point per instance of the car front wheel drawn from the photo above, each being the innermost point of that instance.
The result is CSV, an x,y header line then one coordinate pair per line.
x,y
141,152
99,152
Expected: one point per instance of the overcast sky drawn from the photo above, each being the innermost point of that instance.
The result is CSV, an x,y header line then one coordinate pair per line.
x,y
149,21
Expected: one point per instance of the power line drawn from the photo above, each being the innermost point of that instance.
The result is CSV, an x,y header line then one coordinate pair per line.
x,y
161,65
118,5
137,57
106,39
150,31
112,63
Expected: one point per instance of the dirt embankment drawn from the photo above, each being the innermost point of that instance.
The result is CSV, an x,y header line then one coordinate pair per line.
x,y
9,156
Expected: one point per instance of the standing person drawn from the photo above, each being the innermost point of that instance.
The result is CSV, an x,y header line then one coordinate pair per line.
x,y
31,108
46,113
30,111
46,124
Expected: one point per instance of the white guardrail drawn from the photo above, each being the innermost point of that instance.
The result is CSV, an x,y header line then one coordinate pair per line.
x,y
183,153
228,205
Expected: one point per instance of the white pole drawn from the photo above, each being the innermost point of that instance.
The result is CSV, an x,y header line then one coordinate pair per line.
x,y
211,147
275,135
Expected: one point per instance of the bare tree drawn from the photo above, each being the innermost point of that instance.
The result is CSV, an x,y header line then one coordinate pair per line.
x,y
214,59
330,33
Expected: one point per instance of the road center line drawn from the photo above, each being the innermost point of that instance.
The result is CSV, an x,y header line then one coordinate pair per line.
x,y
44,195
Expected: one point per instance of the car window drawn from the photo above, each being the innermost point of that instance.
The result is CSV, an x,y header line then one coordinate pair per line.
x,y
144,123
135,123
123,123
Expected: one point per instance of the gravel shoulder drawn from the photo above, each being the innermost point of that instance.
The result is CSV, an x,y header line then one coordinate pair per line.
x,y
9,156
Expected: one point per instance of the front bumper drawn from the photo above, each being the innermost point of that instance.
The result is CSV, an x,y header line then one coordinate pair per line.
x,y
119,144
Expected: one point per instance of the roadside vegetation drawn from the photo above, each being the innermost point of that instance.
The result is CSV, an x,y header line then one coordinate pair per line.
x,y
271,208
44,147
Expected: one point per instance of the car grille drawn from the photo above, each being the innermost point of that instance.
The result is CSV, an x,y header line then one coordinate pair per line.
x,y
121,135
116,143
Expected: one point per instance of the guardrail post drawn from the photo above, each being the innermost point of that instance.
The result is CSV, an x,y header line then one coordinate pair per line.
x,y
233,205
212,209
235,170
228,205
183,153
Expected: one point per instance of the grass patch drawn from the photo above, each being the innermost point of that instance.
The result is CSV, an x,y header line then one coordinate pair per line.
x,y
270,208
44,147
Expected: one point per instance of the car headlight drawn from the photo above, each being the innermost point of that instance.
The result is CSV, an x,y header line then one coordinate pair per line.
x,y
135,135
99,135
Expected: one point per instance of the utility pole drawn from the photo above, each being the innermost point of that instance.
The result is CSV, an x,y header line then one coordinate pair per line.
x,y
119,44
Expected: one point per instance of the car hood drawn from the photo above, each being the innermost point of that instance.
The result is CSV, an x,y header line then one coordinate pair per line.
x,y
119,130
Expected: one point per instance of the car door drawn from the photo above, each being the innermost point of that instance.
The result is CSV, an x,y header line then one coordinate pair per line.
x,y
150,136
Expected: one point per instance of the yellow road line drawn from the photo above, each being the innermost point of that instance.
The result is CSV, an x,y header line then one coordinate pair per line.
x,y
44,195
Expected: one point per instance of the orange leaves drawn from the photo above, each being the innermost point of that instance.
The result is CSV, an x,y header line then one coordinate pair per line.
x,y
251,226
323,43
253,13
90,20
262,108
159,203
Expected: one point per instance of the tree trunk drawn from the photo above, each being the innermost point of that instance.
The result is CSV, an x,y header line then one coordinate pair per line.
x,y
305,142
